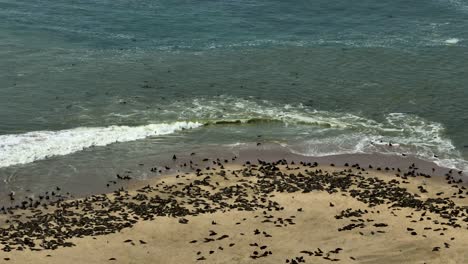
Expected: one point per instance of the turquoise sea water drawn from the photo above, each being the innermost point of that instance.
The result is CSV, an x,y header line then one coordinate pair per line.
x,y
87,85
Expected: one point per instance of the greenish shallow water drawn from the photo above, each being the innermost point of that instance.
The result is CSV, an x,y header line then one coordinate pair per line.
x,y
93,82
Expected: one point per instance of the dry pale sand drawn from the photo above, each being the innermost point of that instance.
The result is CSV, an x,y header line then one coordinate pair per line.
x,y
308,224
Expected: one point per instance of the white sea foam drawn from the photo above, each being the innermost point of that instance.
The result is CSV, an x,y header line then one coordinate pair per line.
x,y
330,132
229,109
452,41
407,134
337,133
38,145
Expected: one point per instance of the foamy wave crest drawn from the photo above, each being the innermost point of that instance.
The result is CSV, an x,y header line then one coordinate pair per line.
x,y
38,145
227,109
331,132
452,41
399,134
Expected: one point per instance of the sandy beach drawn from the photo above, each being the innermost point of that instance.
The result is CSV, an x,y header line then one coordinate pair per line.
x,y
261,212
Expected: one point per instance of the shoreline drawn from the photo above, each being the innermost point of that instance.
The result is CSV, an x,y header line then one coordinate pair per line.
x,y
95,182
231,193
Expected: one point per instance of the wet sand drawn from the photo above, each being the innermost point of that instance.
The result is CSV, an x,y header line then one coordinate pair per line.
x,y
267,213
73,174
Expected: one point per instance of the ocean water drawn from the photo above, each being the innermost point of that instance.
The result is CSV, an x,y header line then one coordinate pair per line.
x,y
92,88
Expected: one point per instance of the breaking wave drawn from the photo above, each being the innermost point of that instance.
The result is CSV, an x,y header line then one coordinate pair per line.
x,y
37,145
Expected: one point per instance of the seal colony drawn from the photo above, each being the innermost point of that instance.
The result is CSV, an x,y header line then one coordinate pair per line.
x,y
262,212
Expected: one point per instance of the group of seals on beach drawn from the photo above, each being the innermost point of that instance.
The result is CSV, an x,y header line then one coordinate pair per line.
x,y
37,225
